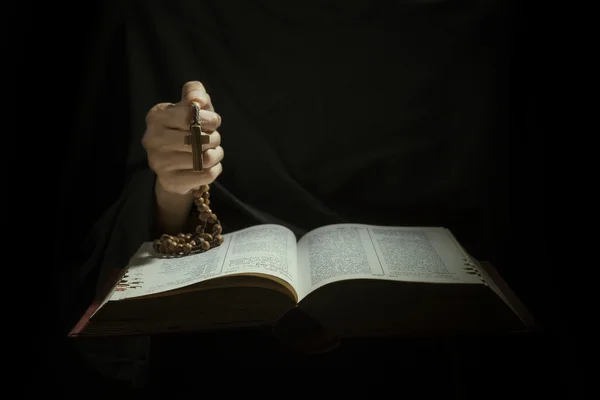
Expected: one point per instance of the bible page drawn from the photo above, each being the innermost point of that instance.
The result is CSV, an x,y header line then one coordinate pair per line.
x,y
351,251
261,249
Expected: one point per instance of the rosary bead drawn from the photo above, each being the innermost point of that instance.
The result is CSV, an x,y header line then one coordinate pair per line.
x,y
204,216
206,236
200,240
204,244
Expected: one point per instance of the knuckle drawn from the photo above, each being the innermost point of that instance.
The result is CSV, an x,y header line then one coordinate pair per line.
x,y
214,172
153,164
209,158
214,119
152,114
214,156
149,140
216,138
201,99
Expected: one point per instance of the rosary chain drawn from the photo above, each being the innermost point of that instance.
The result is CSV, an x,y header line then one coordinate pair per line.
x,y
208,232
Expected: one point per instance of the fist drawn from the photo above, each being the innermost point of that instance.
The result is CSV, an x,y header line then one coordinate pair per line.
x,y
167,125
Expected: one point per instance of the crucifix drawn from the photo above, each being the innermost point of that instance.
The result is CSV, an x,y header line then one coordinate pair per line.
x,y
196,139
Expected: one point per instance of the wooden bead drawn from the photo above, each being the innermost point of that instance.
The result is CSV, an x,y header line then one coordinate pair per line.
x,y
206,236
187,243
204,244
204,216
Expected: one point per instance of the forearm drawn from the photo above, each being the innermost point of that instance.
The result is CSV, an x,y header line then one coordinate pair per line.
x,y
173,210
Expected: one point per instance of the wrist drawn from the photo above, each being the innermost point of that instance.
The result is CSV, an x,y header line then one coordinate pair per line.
x,y
164,193
173,209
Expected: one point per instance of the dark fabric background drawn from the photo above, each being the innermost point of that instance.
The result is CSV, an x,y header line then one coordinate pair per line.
x,y
434,97
396,113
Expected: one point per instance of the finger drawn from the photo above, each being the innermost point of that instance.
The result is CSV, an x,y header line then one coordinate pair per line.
x,y
195,91
174,140
212,157
187,180
160,107
179,116
191,180
181,161
156,112
210,121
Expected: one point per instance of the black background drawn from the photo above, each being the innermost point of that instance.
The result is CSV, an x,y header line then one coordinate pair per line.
x,y
56,70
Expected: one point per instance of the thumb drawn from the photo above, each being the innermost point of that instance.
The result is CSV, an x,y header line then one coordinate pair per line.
x,y
195,91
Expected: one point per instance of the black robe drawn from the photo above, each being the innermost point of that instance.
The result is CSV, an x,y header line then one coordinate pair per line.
x,y
393,113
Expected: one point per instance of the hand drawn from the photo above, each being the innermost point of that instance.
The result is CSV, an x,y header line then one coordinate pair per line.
x,y
166,126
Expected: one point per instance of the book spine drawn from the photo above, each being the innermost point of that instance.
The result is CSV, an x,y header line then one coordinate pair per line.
x,y
85,319
113,277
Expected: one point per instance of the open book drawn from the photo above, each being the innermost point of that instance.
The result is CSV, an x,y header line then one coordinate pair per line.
x,y
353,279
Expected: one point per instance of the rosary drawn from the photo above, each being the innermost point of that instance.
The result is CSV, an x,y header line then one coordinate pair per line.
x,y
209,230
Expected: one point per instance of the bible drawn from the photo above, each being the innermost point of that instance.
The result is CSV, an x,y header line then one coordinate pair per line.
x,y
355,280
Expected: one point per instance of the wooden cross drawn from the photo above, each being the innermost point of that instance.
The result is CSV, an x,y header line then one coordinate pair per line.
x,y
196,139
